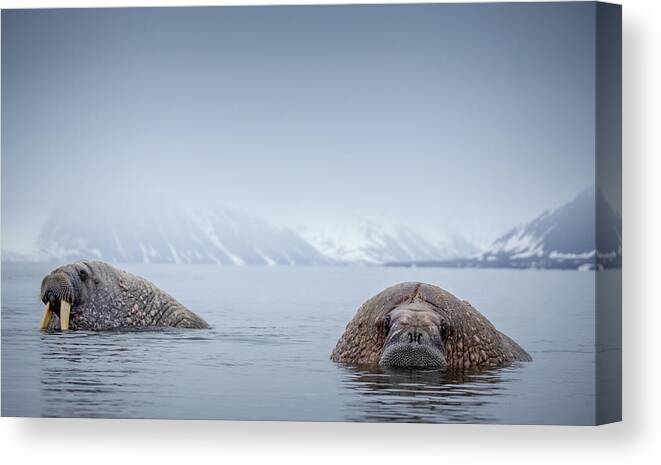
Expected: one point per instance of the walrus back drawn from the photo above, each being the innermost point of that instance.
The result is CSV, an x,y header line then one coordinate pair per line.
x,y
516,352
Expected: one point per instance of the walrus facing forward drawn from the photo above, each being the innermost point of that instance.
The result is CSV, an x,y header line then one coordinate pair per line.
x,y
92,295
420,325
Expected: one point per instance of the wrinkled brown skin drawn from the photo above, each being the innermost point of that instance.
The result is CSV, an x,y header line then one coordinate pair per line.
x,y
473,341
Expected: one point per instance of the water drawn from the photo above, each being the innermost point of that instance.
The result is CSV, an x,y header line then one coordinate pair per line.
x,y
266,356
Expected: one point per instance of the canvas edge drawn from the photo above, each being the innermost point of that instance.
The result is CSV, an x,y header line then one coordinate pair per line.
x,y
608,181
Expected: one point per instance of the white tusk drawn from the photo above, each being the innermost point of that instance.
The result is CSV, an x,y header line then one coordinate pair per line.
x,y
65,311
48,314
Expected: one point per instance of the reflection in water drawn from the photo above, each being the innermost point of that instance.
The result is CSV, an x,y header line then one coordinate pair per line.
x,y
108,374
423,395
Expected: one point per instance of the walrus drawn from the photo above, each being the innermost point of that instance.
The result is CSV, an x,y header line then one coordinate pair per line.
x,y
420,325
93,295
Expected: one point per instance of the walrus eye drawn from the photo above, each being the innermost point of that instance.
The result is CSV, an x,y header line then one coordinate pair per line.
x,y
445,330
82,274
386,323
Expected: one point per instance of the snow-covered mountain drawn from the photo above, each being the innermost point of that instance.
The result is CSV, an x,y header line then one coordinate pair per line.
x,y
564,238
358,240
585,233
216,235
230,237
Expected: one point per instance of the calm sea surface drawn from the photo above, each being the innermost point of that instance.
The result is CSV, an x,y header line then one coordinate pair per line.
x,y
266,356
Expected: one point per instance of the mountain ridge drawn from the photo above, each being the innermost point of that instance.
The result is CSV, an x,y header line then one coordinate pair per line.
x,y
224,236
205,236
563,238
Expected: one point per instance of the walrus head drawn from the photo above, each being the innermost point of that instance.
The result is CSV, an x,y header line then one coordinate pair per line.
x,y
66,287
415,337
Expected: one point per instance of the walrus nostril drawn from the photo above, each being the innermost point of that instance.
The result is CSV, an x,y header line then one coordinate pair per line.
x,y
410,338
419,338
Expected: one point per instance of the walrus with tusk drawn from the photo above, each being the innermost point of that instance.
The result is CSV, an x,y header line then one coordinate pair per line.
x,y
92,295
421,325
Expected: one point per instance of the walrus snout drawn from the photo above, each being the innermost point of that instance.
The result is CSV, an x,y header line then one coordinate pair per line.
x,y
413,355
58,293
413,347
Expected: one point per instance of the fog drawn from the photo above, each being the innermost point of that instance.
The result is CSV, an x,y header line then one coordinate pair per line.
x,y
451,118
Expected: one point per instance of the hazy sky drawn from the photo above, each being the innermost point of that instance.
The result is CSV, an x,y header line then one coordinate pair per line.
x,y
459,118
